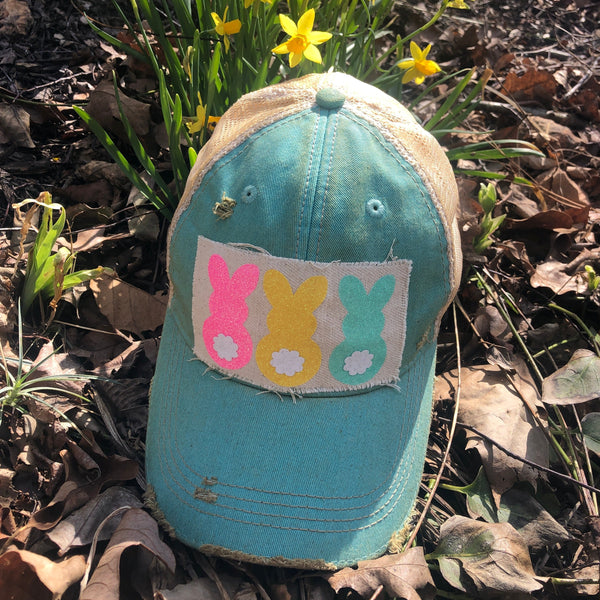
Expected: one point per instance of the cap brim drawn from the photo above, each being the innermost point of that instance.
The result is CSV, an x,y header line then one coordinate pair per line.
x,y
310,482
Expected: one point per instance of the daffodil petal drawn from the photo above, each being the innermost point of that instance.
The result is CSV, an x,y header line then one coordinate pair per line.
x,y
233,27
312,53
281,49
415,51
409,75
429,67
318,37
425,52
295,59
420,79
288,25
306,22
407,63
216,18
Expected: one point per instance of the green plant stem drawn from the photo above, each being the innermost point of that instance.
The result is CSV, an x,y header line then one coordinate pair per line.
x,y
580,322
500,306
564,457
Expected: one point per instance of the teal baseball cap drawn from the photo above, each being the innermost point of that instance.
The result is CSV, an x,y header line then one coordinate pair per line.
x,y
311,258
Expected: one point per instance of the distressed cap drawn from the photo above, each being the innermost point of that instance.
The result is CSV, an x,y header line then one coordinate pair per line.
x,y
310,260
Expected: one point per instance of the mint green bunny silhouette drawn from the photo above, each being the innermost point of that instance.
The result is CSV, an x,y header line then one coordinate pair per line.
x,y
360,356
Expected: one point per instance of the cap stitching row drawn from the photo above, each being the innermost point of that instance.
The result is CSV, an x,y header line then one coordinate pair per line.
x,y
306,187
333,140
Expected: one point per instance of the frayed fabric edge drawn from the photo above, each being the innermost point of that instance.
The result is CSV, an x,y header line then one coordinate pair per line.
x,y
274,561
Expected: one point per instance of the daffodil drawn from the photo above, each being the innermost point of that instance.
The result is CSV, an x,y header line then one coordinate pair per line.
x,y
212,123
303,39
226,28
197,123
418,67
458,4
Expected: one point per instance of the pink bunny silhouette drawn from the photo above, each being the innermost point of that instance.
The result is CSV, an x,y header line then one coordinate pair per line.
x,y
225,337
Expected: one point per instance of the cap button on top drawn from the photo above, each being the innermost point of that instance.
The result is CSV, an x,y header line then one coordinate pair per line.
x,y
330,98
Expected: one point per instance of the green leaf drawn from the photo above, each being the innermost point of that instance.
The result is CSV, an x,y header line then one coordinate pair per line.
x,y
590,426
84,275
578,381
480,502
123,163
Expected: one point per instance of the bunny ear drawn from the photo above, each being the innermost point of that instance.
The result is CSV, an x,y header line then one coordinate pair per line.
x,y
312,292
245,279
218,272
382,291
352,292
277,287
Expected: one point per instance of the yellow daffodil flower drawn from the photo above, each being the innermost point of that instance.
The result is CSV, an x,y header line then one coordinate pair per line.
x,y
458,4
226,28
197,123
303,39
212,123
418,67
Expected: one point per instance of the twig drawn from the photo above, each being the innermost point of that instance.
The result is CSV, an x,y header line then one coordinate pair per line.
x,y
376,593
582,81
92,553
454,421
261,590
521,458
212,575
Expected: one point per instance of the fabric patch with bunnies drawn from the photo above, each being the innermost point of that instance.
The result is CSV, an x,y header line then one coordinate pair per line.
x,y
288,324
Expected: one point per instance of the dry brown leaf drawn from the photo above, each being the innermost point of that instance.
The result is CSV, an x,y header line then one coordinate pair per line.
x,y
100,169
79,528
14,123
487,559
90,239
137,529
82,484
548,131
535,524
15,17
563,189
559,277
403,575
206,589
28,576
548,220
128,308
532,85
55,364
490,403
104,108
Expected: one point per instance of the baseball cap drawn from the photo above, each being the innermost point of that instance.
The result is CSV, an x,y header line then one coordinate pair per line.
x,y
311,258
